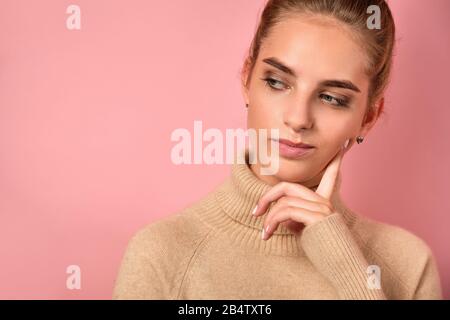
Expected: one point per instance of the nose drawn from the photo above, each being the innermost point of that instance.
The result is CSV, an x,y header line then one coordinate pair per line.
x,y
297,115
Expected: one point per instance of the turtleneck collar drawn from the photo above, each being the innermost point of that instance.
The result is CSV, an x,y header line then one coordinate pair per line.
x,y
237,197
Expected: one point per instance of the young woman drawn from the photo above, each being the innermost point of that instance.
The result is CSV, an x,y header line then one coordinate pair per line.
x,y
317,73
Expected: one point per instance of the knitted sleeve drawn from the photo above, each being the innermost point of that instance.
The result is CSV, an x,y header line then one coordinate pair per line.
x,y
331,248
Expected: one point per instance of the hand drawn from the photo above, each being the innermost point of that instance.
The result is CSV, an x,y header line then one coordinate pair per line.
x,y
298,205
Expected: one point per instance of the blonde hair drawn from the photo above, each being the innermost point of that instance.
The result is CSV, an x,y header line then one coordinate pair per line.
x,y
378,43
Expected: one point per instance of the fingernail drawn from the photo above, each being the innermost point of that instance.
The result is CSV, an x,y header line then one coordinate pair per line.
x,y
346,143
254,210
265,232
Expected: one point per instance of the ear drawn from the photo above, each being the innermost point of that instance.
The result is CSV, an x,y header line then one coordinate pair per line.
x,y
244,80
371,117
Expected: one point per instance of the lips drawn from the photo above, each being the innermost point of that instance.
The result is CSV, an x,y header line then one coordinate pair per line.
x,y
292,150
295,145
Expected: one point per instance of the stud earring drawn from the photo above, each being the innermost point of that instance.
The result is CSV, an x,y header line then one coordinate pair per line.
x,y
359,139
246,105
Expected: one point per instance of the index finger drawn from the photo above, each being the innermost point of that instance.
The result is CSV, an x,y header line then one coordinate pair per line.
x,y
329,178
284,189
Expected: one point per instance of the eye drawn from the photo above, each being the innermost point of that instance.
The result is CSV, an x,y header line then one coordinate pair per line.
x,y
275,84
333,100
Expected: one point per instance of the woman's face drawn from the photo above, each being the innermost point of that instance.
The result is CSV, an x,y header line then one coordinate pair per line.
x,y
321,101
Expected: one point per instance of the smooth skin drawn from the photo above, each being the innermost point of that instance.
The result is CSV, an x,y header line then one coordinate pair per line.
x,y
298,203
305,107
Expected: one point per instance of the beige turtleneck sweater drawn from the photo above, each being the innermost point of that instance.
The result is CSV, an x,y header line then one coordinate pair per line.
x,y
213,249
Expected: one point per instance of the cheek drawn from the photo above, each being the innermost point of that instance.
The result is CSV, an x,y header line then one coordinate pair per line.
x,y
336,130
263,112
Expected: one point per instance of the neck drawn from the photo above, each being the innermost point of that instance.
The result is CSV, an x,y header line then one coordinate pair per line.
x,y
273,180
235,200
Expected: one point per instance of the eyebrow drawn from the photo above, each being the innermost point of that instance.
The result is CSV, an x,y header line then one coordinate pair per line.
x,y
345,84
280,65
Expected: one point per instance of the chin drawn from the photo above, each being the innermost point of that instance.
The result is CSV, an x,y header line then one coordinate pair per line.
x,y
294,171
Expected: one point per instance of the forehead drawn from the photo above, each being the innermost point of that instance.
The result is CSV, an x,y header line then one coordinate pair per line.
x,y
316,49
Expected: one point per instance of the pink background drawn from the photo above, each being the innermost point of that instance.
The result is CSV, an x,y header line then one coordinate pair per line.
x,y
86,118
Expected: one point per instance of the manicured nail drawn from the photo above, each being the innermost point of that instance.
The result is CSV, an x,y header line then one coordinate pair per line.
x,y
265,232
346,143
254,210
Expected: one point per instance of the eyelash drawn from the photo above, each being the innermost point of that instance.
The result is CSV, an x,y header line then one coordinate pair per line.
x,y
339,102
269,79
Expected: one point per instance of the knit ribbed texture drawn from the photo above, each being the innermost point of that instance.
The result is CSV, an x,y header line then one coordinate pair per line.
x,y
237,197
333,251
213,249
